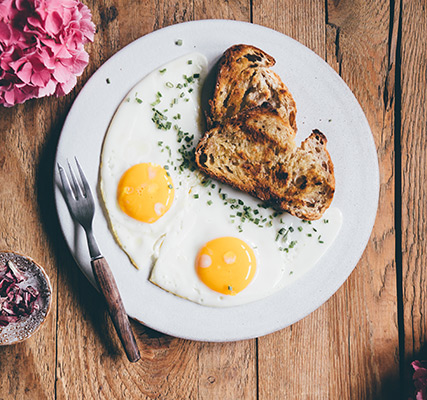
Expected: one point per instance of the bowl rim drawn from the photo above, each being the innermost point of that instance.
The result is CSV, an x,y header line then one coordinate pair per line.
x,y
49,303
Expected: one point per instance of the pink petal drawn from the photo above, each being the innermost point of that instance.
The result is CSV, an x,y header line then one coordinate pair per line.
x,y
25,73
5,32
41,78
78,63
53,23
48,89
66,87
61,73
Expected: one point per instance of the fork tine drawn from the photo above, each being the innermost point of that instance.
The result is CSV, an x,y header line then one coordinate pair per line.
x,y
65,184
74,184
83,179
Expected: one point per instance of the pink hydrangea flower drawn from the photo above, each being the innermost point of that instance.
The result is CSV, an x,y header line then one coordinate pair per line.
x,y
420,379
42,47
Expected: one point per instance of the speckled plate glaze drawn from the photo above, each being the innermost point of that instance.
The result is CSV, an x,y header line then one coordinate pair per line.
x,y
323,101
36,277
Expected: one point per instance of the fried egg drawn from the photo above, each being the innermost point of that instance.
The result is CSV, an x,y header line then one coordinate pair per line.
x,y
200,240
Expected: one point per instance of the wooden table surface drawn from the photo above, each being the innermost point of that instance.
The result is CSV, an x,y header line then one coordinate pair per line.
x,y
358,345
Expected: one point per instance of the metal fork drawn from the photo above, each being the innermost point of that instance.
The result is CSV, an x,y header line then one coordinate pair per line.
x,y
79,199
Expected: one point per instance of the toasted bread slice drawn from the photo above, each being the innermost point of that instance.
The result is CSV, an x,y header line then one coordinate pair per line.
x,y
244,81
256,153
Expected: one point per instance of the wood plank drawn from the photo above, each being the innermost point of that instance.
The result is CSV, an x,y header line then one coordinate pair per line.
x,y
86,338
27,369
226,370
170,367
414,178
347,348
361,43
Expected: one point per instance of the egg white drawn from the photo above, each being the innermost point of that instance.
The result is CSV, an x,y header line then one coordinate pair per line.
x,y
133,138
202,210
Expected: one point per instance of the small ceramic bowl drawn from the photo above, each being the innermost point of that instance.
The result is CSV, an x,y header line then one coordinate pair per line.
x,y
32,275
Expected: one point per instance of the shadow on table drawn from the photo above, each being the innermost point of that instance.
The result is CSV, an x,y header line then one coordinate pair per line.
x,y
81,309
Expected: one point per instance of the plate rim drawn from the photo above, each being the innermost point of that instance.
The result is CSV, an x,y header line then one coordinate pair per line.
x,y
204,24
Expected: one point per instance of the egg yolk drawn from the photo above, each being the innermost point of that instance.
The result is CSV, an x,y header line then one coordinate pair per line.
x,y
145,192
226,265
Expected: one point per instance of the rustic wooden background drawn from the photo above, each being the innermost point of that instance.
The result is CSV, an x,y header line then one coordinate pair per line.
x,y
358,345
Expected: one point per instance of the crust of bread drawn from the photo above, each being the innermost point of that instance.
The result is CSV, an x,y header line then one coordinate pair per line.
x,y
245,80
255,152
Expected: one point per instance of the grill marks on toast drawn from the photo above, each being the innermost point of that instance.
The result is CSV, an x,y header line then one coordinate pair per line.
x,y
256,153
251,141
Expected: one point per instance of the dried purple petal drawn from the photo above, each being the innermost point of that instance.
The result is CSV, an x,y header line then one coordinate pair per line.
x,y
15,301
3,269
7,319
34,292
420,379
15,270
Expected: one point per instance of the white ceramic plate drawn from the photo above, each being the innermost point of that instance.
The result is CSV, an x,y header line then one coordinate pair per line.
x,y
324,102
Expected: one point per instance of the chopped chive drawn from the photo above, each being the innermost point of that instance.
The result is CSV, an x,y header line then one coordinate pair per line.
x,y
209,202
138,100
169,84
309,235
162,71
292,244
300,228
230,288
196,196
170,186
178,42
108,81
190,62
325,221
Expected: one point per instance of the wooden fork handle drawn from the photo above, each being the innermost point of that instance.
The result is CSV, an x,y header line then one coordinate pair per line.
x,y
108,286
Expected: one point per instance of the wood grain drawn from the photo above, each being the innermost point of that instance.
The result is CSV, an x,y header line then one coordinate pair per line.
x,y
359,37
24,181
414,188
169,367
348,348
